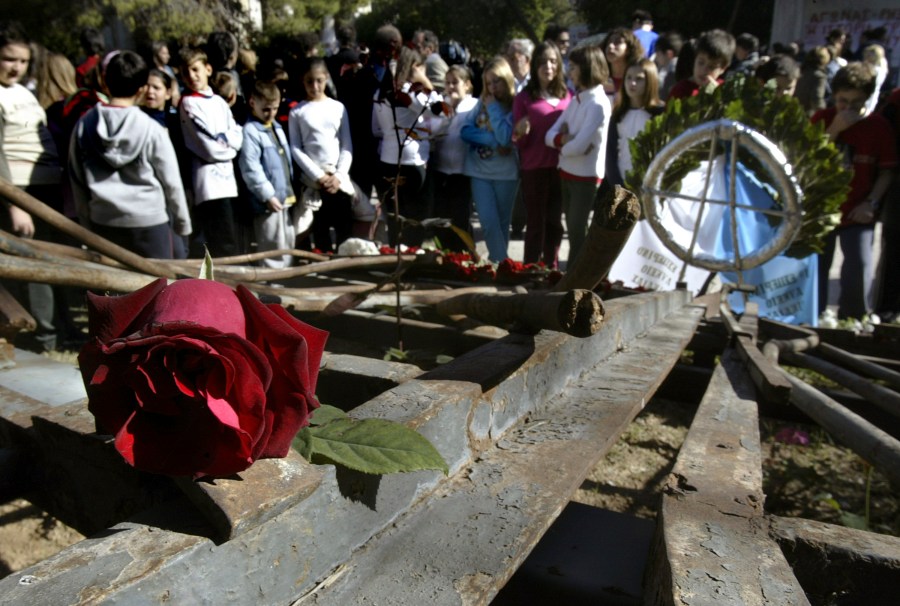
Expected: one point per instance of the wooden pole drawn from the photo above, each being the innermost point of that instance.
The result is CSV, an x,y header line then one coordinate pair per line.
x,y
258,256
264,274
617,212
83,274
302,299
882,397
35,207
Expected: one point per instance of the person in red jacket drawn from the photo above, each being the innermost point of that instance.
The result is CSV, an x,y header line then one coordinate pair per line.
x,y
869,151
713,56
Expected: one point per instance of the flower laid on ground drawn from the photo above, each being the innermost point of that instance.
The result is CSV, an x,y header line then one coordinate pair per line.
x,y
792,435
195,378
357,247
384,249
867,324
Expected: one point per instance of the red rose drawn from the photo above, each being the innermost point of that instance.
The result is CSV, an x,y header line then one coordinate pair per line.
x,y
195,378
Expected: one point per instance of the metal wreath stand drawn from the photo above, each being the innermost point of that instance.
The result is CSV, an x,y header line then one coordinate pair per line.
x,y
772,159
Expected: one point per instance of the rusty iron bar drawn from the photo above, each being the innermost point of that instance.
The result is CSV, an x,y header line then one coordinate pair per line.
x,y
786,337
858,364
575,312
765,375
882,397
865,439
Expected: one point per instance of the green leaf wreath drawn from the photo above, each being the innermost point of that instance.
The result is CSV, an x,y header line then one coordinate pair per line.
x,y
817,163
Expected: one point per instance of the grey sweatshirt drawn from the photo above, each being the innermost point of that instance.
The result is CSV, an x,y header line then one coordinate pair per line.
x,y
124,171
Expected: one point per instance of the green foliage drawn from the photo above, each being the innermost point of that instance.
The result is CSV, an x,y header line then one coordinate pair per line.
x,y
816,162
848,518
49,22
56,24
287,18
396,354
484,25
373,446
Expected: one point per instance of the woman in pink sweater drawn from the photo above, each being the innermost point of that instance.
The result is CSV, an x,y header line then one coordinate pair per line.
x,y
535,109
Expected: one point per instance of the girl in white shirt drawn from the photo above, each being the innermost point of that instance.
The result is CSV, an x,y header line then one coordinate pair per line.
x,y
321,147
452,193
580,135
635,108
29,160
402,119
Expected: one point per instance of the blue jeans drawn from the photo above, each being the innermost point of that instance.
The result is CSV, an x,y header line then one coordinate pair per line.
x,y
857,270
494,202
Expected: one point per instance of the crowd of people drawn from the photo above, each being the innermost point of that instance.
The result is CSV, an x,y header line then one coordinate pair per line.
x,y
233,151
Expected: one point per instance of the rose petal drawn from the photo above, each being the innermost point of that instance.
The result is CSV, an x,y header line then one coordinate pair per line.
x,y
156,445
181,399
113,317
294,350
223,411
125,442
204,302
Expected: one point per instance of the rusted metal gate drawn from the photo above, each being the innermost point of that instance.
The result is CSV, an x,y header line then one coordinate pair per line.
x,y
520,419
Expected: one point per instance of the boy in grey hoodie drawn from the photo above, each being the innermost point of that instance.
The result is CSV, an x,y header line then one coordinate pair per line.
x,y
123,168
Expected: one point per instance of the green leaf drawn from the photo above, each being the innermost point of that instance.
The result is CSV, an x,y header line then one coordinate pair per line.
x,y
206,268
303,443
853,520
326,414
373,446
393,353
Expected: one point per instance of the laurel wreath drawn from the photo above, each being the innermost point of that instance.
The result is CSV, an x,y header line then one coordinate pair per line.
x,y
816,163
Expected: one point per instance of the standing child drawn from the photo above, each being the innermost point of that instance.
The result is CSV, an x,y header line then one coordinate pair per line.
x,y
635,108
404,126
535,110
123,168
29,160
868,146
712,57
452,192
322,148
265,163
213,139
158,97
157,104
491,161
580,136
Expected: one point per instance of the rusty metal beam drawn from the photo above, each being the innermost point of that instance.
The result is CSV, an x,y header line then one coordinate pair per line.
x,y
882,397
712,545
858,364
871,443
166,554
765,375
834,561
462,545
